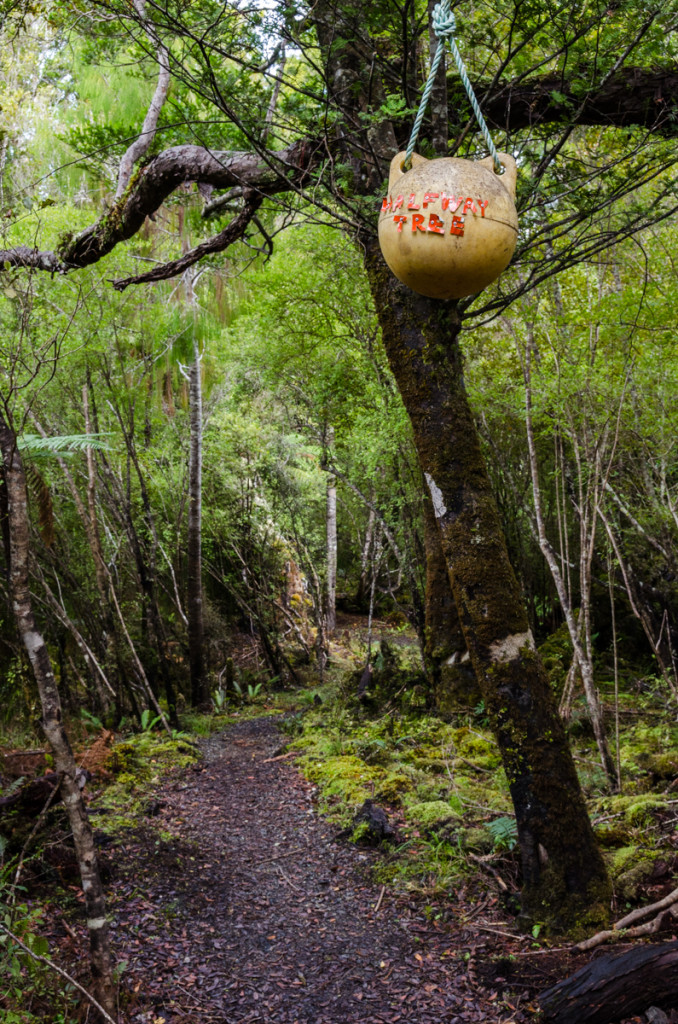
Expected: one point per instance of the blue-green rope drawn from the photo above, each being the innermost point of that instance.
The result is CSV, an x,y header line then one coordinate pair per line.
x,y
444,25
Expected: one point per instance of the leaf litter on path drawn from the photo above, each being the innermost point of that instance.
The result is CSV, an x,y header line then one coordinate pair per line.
x,y
254,913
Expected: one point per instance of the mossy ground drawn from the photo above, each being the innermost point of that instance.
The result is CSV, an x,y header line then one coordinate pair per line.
x,y
442,783
135,766
439,778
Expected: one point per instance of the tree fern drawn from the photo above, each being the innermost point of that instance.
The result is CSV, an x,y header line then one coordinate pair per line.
x,y
61,444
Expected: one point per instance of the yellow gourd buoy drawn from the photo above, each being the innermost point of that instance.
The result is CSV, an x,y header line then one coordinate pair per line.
x,y
448,227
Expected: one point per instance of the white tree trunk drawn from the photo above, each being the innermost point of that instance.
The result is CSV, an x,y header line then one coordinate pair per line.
x,y
331,617
52,721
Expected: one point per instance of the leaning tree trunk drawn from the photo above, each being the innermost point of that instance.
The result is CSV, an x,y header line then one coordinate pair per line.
x,y
447,661
194,596
565,881
64,762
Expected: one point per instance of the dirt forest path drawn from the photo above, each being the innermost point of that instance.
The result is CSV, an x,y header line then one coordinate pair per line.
x,y
257,914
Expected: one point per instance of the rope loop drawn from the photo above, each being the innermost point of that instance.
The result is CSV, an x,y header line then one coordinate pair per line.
x,y
444,26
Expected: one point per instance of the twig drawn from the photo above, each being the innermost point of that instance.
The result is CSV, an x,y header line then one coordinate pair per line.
x,y
541,952
495,931
23,753
381,896
64,974
488,867
657,924
286,878
641,912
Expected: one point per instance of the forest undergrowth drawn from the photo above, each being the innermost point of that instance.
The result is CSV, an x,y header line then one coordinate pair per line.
x,y
447,826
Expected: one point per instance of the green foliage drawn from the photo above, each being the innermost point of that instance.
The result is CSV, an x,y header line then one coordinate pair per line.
x,y
219,700
36,444
91,721
504,832
25,981
147,722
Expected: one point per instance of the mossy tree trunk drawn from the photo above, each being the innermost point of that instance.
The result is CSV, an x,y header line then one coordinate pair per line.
x,y
565,881
448,665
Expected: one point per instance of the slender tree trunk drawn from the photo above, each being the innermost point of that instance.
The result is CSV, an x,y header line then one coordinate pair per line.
x,y
331,525
582,651
95,905
146,569
363,583
564,876
94,538
447,660
194,595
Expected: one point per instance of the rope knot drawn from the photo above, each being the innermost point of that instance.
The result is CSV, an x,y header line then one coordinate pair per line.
x,y
443,21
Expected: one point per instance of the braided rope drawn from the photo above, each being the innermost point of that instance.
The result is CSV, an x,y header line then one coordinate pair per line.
x,y
444,26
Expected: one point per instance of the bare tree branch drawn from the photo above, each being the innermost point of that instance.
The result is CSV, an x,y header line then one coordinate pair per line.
x,y
218,243
141,145
275,171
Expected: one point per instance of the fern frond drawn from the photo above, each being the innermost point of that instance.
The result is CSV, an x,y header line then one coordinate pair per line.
x,y
62,444
40,492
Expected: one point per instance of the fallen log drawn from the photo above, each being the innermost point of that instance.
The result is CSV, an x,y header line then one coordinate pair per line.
x,y
616,986
31,796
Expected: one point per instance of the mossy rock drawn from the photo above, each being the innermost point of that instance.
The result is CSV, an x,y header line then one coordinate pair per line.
x,y
628,884
372,751
120,756
429,790
638,808
480,750
430,765
662,767
432,812
346,776
622,860
611,834
392,787
629,868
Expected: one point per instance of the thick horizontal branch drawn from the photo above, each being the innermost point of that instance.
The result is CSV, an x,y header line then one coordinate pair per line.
x,y
174,167
218,243
630,97
24,256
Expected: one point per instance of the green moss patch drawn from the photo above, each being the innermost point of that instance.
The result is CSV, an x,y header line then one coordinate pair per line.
x,y
138,762
432,812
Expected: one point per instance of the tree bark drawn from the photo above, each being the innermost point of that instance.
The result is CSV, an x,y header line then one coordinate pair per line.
x,y
614,987
564,876
194,553
143,143
331,525
447,660
64,762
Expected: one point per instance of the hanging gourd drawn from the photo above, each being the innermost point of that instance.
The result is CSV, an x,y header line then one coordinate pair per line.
x,y
448,227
